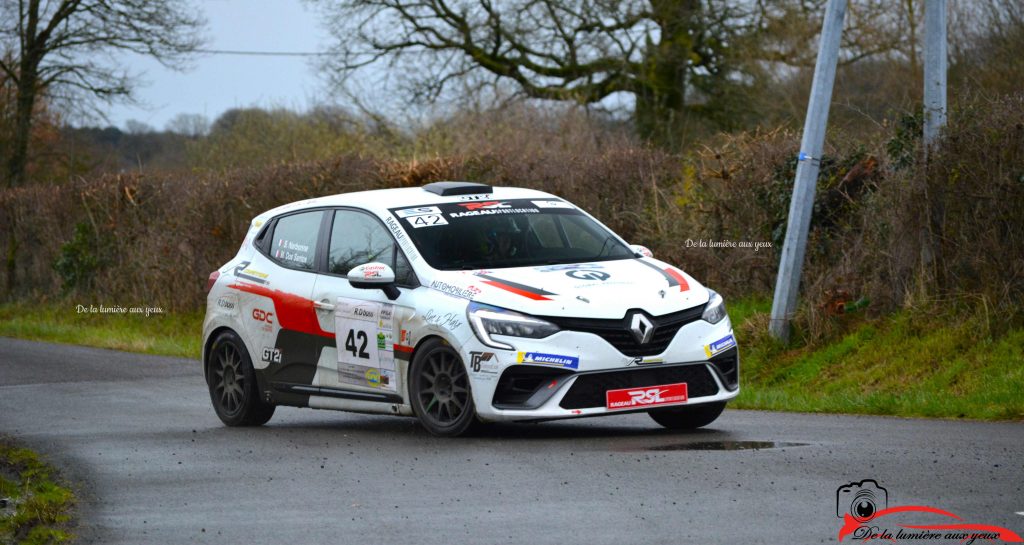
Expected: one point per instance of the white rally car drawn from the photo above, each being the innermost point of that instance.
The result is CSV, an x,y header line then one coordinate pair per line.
x,y
460,303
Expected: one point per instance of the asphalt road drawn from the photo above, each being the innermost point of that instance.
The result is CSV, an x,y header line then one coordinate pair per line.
x,y
152,464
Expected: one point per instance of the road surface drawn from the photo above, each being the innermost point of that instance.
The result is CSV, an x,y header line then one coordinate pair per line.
x,y
152,464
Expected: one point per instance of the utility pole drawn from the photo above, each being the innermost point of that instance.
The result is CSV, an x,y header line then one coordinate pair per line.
x,y
935,61
795,245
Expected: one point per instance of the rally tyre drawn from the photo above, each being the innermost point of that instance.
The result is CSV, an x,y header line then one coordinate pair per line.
x,y
688,418
232,383
439,390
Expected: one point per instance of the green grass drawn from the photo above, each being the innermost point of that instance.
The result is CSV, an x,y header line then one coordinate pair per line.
x,y
40,508
911,363
169,334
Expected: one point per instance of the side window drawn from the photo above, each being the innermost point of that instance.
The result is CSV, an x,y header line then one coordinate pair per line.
x,y
358,238
294,240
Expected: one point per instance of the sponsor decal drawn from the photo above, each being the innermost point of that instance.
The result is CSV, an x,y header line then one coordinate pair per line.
x,y
404,337
418,211
519,289
720,345
468,292
489,205
640,360
261,315
861,505
449,320
373,270
226,303
427,220
270,354
583,274
629,398
483,362
403,240
489,208
569,267
294,313
552,204
372,378
568,362
244,272
402,352
381,340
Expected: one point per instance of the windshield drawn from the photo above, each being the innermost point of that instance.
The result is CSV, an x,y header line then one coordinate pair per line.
x,y
508,233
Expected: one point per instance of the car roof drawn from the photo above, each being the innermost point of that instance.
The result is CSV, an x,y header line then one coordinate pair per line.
x,y
379,201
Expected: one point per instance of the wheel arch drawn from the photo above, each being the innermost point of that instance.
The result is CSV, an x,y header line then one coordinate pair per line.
x,y
209,344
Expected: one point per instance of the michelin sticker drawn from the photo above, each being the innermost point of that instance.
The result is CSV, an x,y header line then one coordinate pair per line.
x,y
365,342
720,345
567,362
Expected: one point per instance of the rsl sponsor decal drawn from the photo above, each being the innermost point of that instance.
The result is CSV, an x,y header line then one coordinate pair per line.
x,y
567,362
629,398
720,345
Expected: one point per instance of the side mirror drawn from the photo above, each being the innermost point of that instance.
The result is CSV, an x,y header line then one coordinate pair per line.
x,y
374,276
641,250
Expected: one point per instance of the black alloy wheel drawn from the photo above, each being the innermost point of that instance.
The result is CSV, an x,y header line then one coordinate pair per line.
x,y
439,390
232,382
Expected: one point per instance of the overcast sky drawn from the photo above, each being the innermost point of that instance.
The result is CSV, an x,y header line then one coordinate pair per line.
x,y
219,82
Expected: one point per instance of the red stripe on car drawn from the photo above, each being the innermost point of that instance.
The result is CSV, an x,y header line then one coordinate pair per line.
x,y
517,291
293,312
683,285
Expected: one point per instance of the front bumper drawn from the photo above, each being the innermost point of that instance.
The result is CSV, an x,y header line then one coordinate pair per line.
x,y
505,388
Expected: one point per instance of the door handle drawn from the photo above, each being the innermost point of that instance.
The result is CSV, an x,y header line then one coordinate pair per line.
x,y
322,305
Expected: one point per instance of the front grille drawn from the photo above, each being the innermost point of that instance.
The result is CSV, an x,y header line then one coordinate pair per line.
x,y
590,388
617,333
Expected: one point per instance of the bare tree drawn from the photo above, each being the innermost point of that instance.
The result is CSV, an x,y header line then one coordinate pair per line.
x,y
671,56
56,49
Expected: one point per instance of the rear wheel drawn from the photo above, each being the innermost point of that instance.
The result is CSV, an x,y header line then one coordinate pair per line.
x,y
688,418
439,390
232,382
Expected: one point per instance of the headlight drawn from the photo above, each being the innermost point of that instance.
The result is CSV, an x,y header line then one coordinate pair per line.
x,y
487,320
715,309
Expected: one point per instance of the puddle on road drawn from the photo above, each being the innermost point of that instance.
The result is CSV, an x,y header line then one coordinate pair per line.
x,y
724,445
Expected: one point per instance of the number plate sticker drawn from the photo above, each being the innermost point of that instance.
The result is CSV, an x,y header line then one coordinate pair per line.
x,y
646,396
363,331
427,220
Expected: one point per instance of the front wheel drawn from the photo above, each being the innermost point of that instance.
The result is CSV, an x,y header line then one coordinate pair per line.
x,y
439,390
232,382
688,418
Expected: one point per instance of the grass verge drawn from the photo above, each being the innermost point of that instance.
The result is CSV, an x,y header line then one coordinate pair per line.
x,y
36,510
911,363
169,334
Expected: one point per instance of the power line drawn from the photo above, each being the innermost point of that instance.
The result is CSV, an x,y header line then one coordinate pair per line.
x,y
263,53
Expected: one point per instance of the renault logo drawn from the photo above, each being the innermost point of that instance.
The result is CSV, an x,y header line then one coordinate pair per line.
x,y
641,327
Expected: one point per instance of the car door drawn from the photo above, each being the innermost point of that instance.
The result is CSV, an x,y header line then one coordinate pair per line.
x,y
366,324
276,299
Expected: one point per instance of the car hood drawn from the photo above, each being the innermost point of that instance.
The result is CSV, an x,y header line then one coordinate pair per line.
x,y
605,289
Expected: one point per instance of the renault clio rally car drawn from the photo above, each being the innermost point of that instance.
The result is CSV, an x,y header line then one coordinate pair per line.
x,y
460,303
